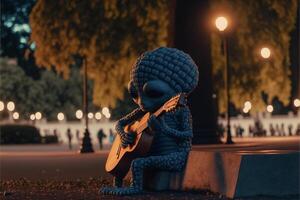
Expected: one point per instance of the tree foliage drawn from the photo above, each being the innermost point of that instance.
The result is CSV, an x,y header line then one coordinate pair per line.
x,y
50,94
110,34
255,24
17,87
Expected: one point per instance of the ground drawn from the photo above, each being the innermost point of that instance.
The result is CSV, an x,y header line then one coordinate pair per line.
x,y
52,172
24,189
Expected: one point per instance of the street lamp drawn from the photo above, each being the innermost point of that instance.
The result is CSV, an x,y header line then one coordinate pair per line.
x,y
221,23
265,52
86,145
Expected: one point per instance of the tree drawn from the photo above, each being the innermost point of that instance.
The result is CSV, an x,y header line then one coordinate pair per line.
x,y
17,87
254,25
15,33
109,34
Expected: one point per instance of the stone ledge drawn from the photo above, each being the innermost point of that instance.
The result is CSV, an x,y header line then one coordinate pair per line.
x,y
240,174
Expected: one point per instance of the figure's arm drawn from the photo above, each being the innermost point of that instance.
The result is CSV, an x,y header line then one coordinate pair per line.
x,y
185,130
128,119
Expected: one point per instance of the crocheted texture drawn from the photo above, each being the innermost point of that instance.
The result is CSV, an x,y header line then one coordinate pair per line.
x,y
173,130
171,65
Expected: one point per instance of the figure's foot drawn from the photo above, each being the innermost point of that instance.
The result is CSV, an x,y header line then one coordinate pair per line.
x,y
120,191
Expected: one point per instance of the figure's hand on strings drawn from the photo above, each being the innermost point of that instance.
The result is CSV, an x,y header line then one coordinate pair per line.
x,y
128,139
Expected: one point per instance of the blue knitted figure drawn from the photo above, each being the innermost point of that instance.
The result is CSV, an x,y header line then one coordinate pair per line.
x,y
157,76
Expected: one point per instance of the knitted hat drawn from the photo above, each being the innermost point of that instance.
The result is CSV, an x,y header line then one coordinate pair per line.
x,y
167,64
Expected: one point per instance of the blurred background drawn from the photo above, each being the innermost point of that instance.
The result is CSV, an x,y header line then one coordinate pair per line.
x,y
46,45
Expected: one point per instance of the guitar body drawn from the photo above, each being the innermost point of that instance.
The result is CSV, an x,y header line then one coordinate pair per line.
x,y
119,159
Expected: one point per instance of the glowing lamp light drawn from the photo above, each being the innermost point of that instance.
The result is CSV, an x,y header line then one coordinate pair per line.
x,y
79,114
108,115
90,115
270,108
60,116
297,103
248,105
221,23
1,106
105,110
265,52
245,110
10,106
32,117
38,115
16,115
98,115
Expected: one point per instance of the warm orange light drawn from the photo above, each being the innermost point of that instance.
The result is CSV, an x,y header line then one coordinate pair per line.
x,y
265,52
221,23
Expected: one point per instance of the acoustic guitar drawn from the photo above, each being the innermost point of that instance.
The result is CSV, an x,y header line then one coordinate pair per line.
x,y
119,159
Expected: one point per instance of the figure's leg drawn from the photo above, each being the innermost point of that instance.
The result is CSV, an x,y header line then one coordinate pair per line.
x,y
118,182
174,161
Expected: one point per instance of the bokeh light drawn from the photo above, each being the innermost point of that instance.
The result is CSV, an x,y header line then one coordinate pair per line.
x,y
108,115
248,105
60,116
221,23
10,106
105,110
297,103
79,114
98,115
90,115
245,110
32,117
1,106
270,108
38,115
16,115
265,52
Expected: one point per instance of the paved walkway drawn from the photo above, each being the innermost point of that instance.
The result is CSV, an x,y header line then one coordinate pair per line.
x,y
57,162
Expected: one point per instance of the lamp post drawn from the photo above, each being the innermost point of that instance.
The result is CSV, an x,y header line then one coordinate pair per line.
x,y
86,145
222,24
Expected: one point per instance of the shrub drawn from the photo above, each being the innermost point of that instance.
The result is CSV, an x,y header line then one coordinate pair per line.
x,y
19,134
